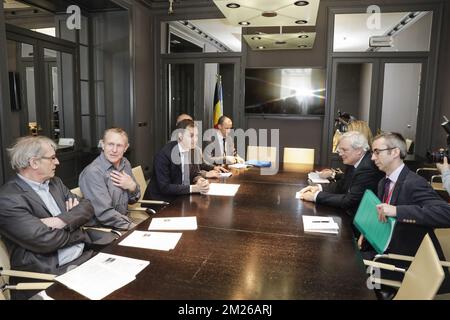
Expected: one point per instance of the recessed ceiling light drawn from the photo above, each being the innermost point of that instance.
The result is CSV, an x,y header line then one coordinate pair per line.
x,y
302,46
303,36
244,23
301,22
260,47
280,42
301,3
233,5
255,38
269,14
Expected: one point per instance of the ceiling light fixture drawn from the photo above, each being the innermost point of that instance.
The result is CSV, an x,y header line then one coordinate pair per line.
x,y
280,42
301,3
244,23
260,47
269,14
256,38
233,5
303,36
302,46
301,22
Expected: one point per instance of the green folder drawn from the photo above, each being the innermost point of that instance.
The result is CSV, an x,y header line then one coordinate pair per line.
x,y
366,220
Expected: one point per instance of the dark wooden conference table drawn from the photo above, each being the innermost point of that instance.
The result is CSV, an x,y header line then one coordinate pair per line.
x,y
250,246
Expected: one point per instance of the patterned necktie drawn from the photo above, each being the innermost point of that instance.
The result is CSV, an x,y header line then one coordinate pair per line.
x,y
387,184
186,179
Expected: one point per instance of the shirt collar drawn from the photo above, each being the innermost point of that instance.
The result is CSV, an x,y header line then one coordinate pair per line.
x,y
105,164
219,134
359,161
396,173
34,184
180,148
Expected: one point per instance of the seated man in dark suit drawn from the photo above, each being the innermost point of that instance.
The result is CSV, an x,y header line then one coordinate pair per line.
x,y
360,174
40,218
174,172
409,198
207,170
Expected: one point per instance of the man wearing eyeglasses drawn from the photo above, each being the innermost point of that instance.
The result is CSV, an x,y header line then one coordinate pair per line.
x,y
360,174
406,196
410,199
40,219
109,184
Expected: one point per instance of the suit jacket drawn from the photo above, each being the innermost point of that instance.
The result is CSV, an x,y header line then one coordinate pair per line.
x,y
166,180
213,154
419,210
31,244
347,192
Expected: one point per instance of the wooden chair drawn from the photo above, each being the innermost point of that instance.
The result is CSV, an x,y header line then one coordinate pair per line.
x,y
262,153
6,272
298,155
137,211
423,278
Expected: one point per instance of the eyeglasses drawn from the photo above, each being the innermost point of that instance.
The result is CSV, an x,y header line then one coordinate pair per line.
x,y
377,151
53,157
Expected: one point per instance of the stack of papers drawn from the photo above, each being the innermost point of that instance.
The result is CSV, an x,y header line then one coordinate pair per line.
x,y
152,240
102,275
224,174
223,189
320,224
315,178
172,223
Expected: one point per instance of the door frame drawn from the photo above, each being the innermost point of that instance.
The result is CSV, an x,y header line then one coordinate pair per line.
x,y
199,60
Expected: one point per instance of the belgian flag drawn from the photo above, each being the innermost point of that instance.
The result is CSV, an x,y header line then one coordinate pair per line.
x,y
218,101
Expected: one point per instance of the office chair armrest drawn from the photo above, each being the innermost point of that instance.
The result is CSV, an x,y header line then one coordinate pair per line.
x,y
390,283
26,274
29,286
426,169
142,209
403,258
436,176
385,266
103,230
163,203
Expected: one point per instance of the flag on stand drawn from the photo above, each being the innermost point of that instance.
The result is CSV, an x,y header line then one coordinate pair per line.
x,y
218,101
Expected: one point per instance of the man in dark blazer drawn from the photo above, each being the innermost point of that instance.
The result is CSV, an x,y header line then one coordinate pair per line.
x,y
406,196
360,174
174,172
40,219
410,199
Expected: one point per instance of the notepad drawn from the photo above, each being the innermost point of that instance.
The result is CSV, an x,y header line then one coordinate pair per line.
x,y
223,189
152,240
102,275
173,223
320,224
315,178
377,233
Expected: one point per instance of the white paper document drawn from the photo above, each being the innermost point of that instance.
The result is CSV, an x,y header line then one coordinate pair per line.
x,y
297,195
102,275
320,224
238,166
223,189
173,223
315,178
224,174
152,240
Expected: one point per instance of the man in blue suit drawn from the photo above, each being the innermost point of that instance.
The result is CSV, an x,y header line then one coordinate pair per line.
x,y
174,172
